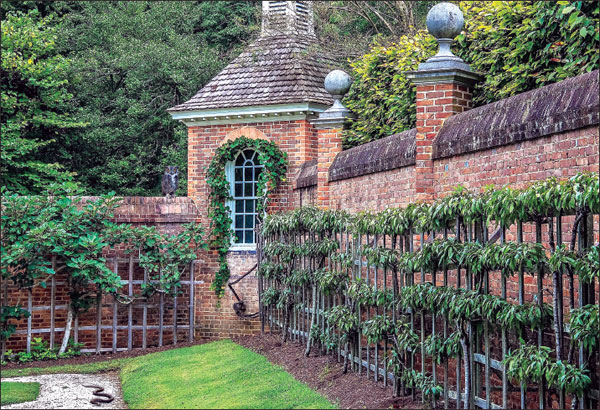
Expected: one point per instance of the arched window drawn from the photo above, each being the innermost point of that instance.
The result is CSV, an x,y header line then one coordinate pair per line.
x,y
243,176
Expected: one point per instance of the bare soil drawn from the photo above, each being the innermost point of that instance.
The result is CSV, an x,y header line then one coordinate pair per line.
x,y
325,375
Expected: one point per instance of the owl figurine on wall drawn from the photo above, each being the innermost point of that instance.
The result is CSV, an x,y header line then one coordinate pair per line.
x,y
170,181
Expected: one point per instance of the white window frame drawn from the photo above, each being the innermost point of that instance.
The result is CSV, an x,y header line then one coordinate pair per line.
x,y
230,175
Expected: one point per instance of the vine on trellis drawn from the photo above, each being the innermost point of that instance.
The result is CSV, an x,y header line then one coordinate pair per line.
x,y
60,231
310,241
275,165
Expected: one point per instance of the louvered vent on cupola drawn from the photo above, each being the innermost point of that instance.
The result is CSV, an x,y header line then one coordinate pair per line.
x,y
287,17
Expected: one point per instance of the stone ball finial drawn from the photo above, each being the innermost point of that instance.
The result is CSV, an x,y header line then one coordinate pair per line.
x,y
445,20
338,82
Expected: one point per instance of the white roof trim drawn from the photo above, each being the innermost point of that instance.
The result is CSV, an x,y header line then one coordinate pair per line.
x,y
237,115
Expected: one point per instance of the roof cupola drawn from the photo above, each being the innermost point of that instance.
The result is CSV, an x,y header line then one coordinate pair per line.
x,y
287,17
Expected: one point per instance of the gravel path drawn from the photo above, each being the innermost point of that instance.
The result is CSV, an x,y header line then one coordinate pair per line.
x,y
66,391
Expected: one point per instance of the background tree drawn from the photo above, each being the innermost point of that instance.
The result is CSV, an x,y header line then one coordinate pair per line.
x,y
349,28
131,62
36,110
127,62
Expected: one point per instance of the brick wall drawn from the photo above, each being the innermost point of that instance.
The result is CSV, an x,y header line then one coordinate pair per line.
x,y
519,164
388,189
215,318
435,103
297,138
560,144
559,155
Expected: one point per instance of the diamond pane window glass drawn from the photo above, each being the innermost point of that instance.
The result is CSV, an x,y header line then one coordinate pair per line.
x,y
243,174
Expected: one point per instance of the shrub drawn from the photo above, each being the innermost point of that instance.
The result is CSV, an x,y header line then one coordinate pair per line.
x,y
381,95
518,46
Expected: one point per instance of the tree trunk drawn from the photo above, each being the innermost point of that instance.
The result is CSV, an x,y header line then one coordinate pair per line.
x,y
557,322
286,322
67,335
556,295
346,356
312,320
579,216
467,363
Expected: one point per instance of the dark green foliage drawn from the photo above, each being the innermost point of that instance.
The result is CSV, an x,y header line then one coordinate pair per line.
x,y
381,95
115,67
226,24
293,238
41,351
520,45
131,62
58,231
6,314
36,110
585,322
533,363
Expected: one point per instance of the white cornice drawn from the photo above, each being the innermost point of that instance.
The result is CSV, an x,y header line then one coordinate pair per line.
x,y
237,115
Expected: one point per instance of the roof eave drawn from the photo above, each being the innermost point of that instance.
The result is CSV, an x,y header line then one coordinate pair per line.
x,y
233,115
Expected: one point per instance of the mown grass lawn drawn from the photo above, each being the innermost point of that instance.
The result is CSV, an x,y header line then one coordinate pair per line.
x,y
215,375
13,392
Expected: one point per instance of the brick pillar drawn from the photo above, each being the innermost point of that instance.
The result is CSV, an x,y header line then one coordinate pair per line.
x,y
329,127
444,88
435,103
329,145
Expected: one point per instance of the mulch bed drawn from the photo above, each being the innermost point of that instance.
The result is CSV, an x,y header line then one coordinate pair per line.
x,y
325,375
94,358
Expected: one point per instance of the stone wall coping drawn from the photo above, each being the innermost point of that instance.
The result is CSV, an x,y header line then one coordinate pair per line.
x,y
568,105
307,176
152,210
388,153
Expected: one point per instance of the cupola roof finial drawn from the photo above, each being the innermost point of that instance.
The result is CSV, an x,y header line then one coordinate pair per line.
x,y
287,17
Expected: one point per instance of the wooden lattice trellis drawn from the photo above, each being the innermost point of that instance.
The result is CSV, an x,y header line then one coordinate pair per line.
x,y
490,385
113,308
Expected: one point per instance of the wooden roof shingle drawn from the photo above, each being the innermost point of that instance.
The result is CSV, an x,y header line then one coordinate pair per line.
x,y
279,69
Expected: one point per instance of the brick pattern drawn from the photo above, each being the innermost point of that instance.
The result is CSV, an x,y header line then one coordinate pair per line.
x,y
389,189
215,318
297,138
329,146
518,164
435,103
41,316
559,155
305,196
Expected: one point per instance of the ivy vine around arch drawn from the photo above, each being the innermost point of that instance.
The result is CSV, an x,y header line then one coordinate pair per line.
x,y
275,166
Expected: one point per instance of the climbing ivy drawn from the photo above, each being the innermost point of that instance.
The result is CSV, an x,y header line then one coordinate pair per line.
x,y
275,166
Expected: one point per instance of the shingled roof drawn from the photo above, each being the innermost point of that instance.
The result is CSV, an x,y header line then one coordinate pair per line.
x,y
280,69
